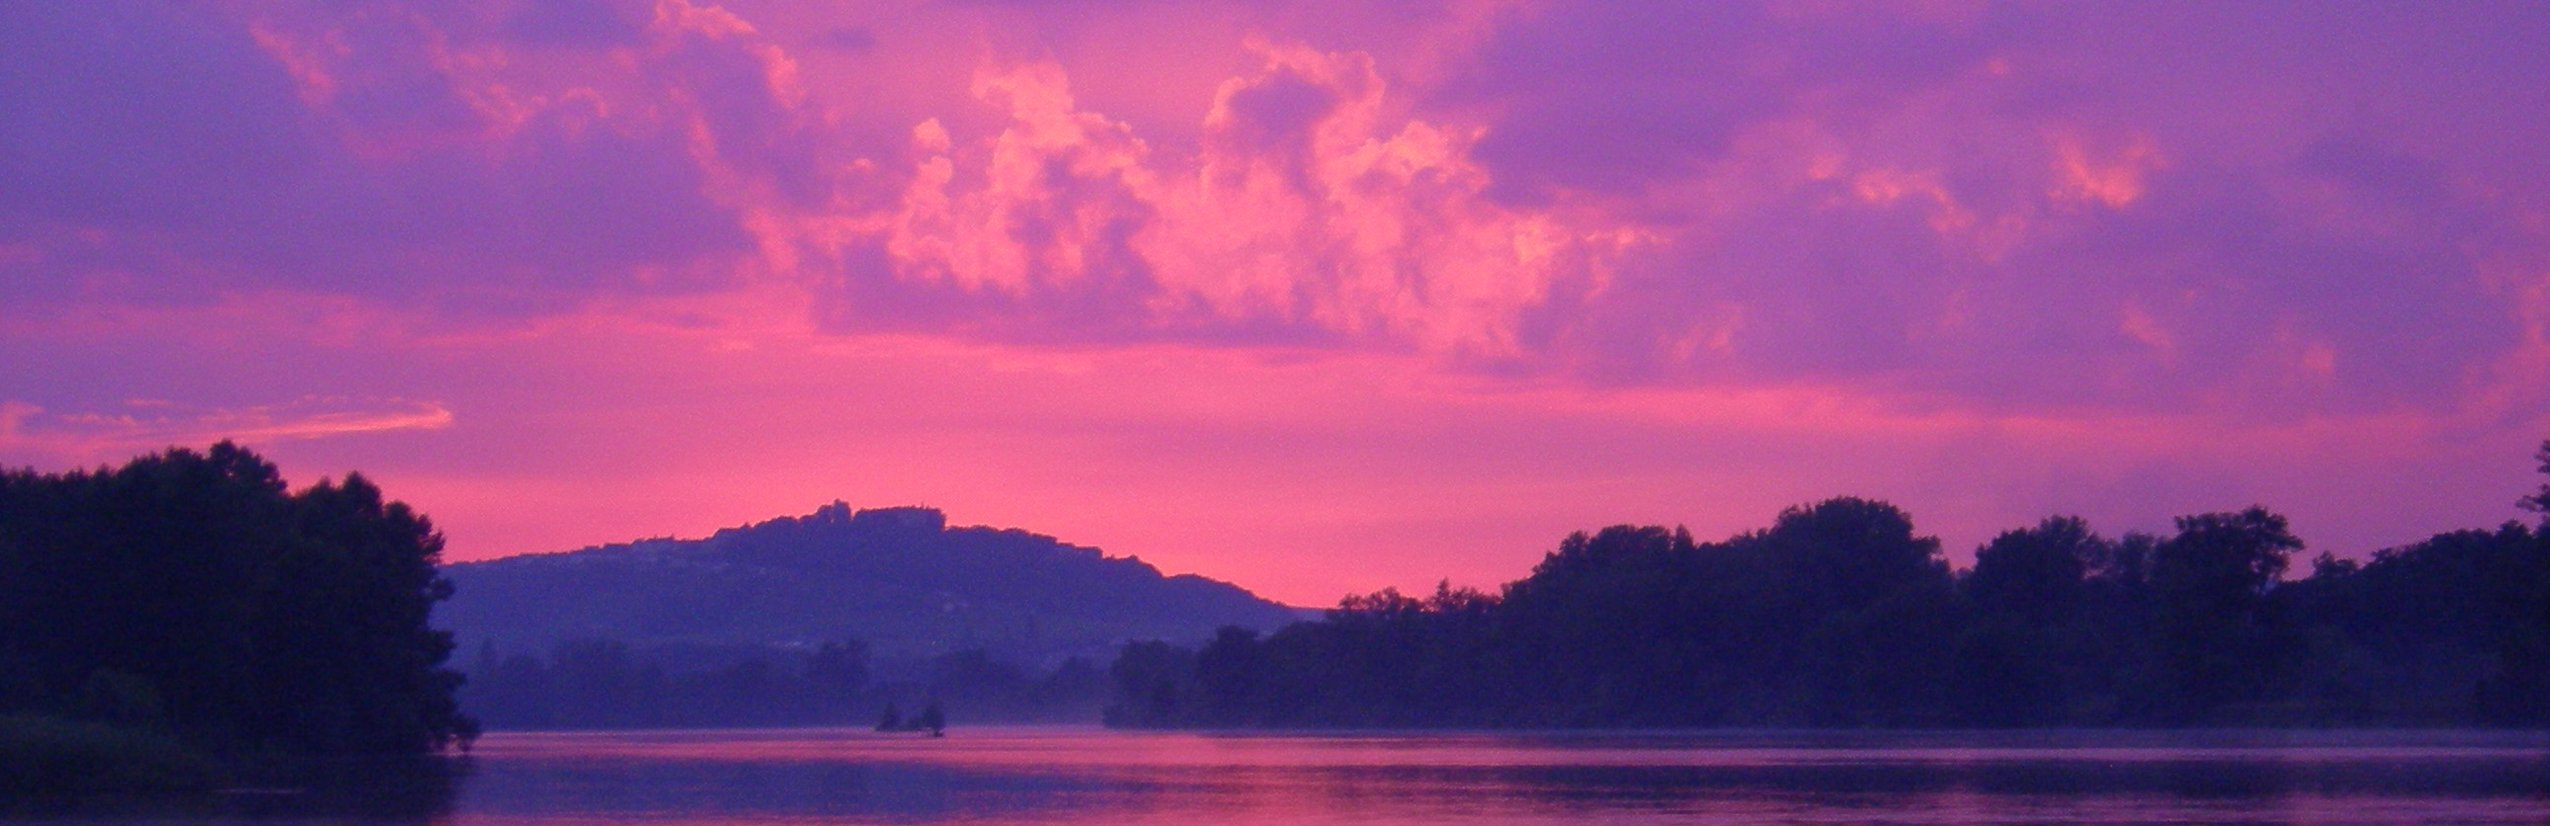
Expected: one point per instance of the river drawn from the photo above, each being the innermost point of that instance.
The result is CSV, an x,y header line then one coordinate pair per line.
x,y
1074,776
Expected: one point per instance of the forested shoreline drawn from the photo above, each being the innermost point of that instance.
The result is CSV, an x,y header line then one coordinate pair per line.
x,y
186,621
187,614
1841,614
595,683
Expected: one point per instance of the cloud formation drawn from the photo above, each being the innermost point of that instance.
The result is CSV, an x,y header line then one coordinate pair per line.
x,y
1966,205
1307,208
1776,223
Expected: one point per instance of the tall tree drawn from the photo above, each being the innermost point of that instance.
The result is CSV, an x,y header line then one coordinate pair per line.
x,y
349,627
2035,575
2027,587
1847,553
2211,582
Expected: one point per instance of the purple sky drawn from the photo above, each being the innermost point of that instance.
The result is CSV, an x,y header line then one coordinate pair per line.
x,y
1317,297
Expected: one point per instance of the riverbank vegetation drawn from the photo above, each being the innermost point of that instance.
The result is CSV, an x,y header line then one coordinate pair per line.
x,y
186,621
1842,614
594,683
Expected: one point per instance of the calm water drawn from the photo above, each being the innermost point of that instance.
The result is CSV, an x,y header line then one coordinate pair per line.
x,y
978,775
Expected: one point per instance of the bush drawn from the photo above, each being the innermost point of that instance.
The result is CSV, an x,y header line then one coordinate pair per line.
x,y
51,760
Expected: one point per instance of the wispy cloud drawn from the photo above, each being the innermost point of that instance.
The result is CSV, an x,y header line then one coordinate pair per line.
x,y
149,424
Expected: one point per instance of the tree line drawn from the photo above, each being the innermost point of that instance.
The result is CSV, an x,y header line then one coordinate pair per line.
x,y
190,595
594,683
1842,614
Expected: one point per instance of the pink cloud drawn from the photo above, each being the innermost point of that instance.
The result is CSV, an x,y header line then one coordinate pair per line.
x,y
1784,194
1307,204
1324,295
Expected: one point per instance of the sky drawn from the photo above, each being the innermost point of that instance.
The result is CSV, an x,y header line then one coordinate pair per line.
x,y
1316,297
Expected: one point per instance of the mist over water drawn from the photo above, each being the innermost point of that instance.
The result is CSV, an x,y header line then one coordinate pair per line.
x,y
1072,775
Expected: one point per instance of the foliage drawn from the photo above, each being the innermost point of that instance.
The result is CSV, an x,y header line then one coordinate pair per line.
x,y
191,593
592,683
1841,614
2539,501
49,760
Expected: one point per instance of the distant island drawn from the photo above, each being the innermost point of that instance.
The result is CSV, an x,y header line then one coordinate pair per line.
x,y
1841,614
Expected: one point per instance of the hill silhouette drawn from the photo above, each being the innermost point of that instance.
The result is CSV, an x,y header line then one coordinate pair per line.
x,y
898,579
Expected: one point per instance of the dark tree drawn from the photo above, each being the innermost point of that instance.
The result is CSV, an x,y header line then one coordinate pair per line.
x,y
357,644
1153,684
2035,576
2217,629
1228,674
191,592
1593,628
2516,690
1846,554
2021,658
1871,603
1841,614
2539,501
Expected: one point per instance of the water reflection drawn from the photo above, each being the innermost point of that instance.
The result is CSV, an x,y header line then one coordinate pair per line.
x,y
394,791
1096,776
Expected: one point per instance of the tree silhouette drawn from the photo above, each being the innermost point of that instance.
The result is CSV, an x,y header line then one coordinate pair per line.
x,y
1842,614
2035,576
2211,582
2539,501
191,592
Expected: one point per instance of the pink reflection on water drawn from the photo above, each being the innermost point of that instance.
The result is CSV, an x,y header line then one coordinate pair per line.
x,y
1061,775
1088,748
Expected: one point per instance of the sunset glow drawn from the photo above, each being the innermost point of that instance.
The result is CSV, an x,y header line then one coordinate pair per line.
x,y
1313,297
